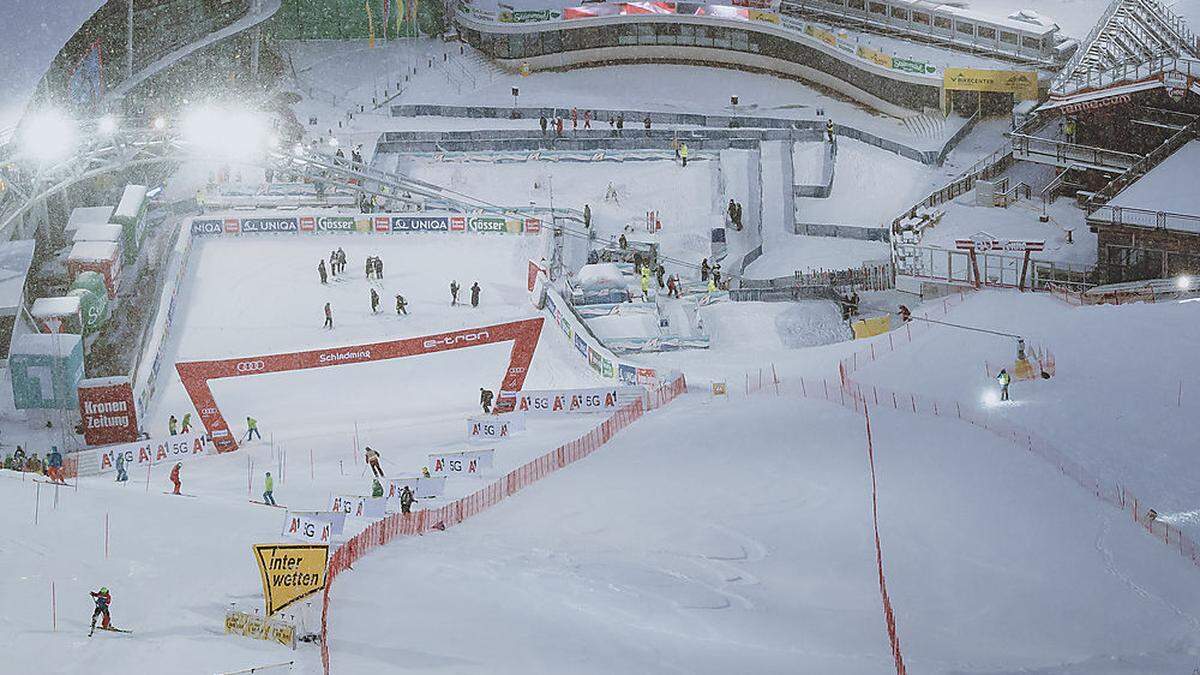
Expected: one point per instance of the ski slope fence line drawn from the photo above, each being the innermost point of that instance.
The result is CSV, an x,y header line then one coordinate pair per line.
x,y
428,520
1110,492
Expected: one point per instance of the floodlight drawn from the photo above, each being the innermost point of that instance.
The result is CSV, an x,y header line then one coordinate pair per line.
x,y
107,125
49,135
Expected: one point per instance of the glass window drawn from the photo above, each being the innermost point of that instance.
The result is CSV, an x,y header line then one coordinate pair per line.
x,y
986,33
755,47
877,8
703,37
900,13
856,4
722,37
741,40
667,33
687,35
646,34
941,22
964,28
1032,43
1008,38
627,34
921,18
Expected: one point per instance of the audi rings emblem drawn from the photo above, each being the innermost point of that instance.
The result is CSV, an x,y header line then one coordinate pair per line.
x,y
251,366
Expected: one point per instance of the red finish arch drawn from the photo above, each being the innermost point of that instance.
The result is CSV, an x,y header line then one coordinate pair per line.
x,y
196,375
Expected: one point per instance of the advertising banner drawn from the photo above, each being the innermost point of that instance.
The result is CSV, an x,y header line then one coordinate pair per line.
x,y
495,426
107,410
568,401
875,56
308,224
46,369
458,223
382,223
306,527
486,224
359,506
420,224
141,453
207,226
1022,83
254,626
290,572
468,463
422,488
910,66
255,225
533,225
335,224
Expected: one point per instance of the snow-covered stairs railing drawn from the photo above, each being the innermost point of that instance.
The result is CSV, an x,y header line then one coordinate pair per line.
x,y
428,520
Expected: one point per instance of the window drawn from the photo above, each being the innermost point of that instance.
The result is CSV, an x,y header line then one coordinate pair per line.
x,y
877,8
627,34
1032,43
900,13
721,37
741,40
704,37
1008,38
941,22
986,33
646,34
856,4
755,46
687,35
964,28
921,18
667,33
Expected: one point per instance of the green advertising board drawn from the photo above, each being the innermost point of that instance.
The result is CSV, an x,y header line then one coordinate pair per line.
x,y
46,369
93,309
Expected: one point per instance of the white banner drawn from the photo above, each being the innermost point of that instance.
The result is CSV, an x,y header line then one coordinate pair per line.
x,y
422,488
360,507
171,449
569,401
494,426
307,527
466,463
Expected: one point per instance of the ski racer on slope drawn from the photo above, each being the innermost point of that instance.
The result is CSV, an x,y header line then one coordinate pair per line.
x,y
103,600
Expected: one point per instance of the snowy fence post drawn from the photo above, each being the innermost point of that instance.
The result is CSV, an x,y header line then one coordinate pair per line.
x,y
775,377
37,498
53,608
803,388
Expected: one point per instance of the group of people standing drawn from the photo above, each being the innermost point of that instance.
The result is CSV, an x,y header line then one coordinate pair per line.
x,y
50,467
337,265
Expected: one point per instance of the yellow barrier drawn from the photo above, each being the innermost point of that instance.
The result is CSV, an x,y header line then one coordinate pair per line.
x,y
871,327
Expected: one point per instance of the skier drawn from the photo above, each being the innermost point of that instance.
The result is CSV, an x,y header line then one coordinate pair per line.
x,y
328,317
475,294
175,477
401,305
54,464
186,425
829,130
1004,379
269,490
252,429
374,301
453,293
173,425
683,152
712,286
672,289
376,488
321,271
121,475
704,270
623,242
646,123
19,459
373,461
406,499
103,599
905,314
558,126
485,399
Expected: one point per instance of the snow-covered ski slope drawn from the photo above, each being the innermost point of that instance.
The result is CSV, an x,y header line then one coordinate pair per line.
x,y
734,536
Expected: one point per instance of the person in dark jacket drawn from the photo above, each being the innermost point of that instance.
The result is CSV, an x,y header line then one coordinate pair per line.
x,y
542,122
453,293
704,270
103,600
321,271
374,301
406,499
401,305
485,399
328,317
475,294
658,274
378,267
54,463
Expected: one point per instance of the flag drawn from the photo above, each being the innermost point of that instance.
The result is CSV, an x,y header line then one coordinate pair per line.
x,y
387,14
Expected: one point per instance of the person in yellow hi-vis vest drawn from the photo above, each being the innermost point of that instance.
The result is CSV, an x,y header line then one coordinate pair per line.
x,y
646,283
683,153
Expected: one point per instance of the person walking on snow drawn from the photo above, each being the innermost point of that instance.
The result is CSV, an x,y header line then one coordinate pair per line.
x,y
485,400
574,119
328,317
406,499
103,600
252,429
475,294
173,425
658,275
401,305
373,461
370,266
186,425
122,476
374,301
333,263
269,490
378,267
321,271
587,119
683,153
646,284
376,488
54,464
542,122
1004,379
175,477
829,131
453,293
704,270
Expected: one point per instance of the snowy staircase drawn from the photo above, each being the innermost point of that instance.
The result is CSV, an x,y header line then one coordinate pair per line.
x,y
925,126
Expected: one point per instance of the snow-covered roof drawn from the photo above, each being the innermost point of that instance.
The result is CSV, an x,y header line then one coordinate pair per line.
x,y
32,32
104,381
89,215
106,232
131,202
15,260
93,250
45,344
68,304
1168,187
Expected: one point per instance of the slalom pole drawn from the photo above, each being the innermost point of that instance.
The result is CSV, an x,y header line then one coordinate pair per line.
x,y
37,500
312,471
106,536
53,608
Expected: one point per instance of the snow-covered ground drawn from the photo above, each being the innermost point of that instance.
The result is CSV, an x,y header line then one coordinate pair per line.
x,y
806,253
1019,221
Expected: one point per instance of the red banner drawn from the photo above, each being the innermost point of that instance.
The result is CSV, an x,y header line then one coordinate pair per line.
x,y
195,375
106,406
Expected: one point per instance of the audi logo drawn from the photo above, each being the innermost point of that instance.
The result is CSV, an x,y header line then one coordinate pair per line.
x,y
251,366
